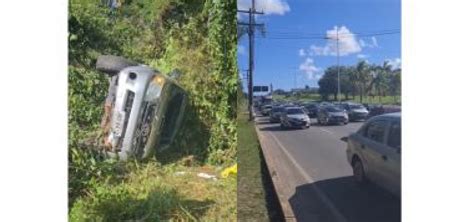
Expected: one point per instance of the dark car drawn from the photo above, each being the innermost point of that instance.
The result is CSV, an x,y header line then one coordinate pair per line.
x,y
275,114
312,109
379,110
356,112
332,115
265,110
374,152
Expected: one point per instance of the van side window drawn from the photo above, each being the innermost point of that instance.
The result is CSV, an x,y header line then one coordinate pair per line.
x,y
376,131
394,138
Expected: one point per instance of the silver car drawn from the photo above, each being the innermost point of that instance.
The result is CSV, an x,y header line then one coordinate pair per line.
x,y
374,152
294,117
355,111
144,108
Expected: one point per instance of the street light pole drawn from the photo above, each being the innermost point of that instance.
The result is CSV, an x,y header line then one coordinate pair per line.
x,y
338,75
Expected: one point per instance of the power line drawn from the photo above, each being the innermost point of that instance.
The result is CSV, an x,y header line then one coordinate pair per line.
x,y
325,37
289,31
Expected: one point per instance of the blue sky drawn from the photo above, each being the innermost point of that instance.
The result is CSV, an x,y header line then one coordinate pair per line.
x,y
293,48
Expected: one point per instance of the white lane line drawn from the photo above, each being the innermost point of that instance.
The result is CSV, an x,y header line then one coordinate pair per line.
x,y
327,131
309,180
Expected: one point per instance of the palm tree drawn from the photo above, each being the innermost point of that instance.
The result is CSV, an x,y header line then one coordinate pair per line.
x,y
381,80
361,76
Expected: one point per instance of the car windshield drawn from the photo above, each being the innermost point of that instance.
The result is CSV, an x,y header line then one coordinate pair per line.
x,y
277,109
333,109
294,111
356,107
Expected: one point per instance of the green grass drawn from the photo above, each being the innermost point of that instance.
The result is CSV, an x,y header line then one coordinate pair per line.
x,y
150,192
251,192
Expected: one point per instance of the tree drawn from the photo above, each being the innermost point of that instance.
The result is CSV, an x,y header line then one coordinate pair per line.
x,y
382,79
328,83
394,80
361,77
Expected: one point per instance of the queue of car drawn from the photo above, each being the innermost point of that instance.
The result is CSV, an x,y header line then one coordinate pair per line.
x,y
325,113
374,151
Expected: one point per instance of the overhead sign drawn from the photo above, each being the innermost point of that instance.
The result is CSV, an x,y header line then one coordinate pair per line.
x,y
260,88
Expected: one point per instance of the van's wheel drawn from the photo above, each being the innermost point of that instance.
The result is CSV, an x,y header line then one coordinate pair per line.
x,y
358,170
113,64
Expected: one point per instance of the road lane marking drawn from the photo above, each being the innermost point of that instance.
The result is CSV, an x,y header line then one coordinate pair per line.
x,y
309,180
327,131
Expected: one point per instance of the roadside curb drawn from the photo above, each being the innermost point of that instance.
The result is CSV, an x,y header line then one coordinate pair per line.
x,y
270,163
281,185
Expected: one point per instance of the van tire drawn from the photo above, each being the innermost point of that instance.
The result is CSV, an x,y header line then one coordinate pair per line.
x,y
112,65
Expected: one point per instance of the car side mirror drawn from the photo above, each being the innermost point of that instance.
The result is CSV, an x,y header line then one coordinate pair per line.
x,y
345,139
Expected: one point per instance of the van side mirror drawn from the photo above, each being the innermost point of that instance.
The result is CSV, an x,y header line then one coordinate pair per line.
x,y
345,139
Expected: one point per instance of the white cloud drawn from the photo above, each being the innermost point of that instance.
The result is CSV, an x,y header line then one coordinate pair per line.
x,y
395,63
362,56
278,7
372,44
309,69
241,49
348,43
301,52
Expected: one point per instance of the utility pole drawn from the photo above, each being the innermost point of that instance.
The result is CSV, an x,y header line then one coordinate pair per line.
x,y
338,75
337,55
251,31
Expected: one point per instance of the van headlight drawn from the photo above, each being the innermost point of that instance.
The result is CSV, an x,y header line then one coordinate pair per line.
x,y
154,88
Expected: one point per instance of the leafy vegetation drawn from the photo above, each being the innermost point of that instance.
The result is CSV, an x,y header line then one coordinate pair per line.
x,y
364,80
196,38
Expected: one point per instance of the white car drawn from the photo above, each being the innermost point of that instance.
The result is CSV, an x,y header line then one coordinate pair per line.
x,y
294,117
374,152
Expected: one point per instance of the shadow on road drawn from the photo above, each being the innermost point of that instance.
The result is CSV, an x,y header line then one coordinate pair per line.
x,y
272,128
356,203
263,122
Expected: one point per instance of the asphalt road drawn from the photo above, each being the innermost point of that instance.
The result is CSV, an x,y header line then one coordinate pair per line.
x,y
319,156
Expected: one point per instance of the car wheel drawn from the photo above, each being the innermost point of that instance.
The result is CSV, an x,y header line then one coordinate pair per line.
x,y
345,123
358,170
282,126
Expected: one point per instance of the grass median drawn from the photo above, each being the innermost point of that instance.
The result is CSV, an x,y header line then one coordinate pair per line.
x,y
256,198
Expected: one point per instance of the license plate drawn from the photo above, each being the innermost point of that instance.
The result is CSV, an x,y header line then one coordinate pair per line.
x,y
118,123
